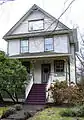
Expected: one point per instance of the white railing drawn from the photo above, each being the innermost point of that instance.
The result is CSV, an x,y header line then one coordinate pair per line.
x,y
28,87
48,86
50,81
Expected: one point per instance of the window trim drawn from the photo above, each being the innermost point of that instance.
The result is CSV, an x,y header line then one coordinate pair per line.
x,y
34,21
25,46
55,64
44,43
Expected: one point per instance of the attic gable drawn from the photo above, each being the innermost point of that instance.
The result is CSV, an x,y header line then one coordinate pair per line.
x,y
34,11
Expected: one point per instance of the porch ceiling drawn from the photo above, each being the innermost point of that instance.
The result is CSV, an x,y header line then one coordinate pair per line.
x,y
40,55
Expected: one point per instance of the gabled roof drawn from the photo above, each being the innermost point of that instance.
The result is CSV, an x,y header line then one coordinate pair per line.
x,y
34,7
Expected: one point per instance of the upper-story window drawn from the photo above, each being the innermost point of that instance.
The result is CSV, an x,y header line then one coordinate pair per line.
x,y
49,46
36,25
24,46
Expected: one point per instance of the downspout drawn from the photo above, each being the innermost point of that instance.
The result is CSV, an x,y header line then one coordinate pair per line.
x,y
66,71
69,68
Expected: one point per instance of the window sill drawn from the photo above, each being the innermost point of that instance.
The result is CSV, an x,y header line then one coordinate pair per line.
x,y
60,74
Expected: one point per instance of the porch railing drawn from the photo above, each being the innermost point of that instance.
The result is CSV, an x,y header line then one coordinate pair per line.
x,y
48,86
50,81
29,86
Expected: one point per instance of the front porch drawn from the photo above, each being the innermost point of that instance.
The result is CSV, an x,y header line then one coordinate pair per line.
x,y
42,68
58,68
44,72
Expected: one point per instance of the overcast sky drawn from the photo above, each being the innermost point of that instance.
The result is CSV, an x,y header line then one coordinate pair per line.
x,y
11,12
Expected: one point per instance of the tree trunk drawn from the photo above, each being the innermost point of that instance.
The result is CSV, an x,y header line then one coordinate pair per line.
x,y
16,97
1,98
9,95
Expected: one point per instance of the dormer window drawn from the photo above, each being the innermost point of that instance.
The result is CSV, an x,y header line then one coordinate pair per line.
x,y
36,25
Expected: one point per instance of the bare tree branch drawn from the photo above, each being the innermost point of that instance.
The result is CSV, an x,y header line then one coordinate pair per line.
x,y
4,1
82,63
66,1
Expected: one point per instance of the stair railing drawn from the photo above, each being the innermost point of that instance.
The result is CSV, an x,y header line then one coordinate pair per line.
x,y
50,82
48,86
29,86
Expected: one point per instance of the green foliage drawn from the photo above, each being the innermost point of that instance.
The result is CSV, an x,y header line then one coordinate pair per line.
x,y
59,85
18,107
62,93
12,75
53,113
58,91
8,112
3,109
73,112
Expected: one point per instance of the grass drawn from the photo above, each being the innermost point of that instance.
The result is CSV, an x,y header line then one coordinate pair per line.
x,y
2,109
52,114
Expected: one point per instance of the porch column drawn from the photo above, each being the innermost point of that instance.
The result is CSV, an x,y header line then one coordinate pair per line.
x,y
67,71
72,67
72,71
32,67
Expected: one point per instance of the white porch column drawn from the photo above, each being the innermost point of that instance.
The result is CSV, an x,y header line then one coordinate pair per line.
x,y
72,65
32,67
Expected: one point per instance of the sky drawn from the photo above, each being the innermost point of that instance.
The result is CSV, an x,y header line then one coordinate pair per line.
x,y
11,12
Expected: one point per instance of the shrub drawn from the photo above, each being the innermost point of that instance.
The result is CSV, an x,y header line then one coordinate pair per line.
x,y
18,107
57,91
67,113
81,111
8,112
73,112
62,93
27,115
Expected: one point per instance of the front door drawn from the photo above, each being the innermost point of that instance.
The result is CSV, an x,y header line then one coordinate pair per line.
x,y
45,72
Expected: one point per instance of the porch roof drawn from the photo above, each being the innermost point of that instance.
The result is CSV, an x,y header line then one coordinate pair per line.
x,y
39,55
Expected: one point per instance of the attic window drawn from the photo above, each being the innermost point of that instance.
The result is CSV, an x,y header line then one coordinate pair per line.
x,y
36,25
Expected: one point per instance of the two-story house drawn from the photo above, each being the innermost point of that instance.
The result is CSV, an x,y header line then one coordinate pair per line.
x,y
47,48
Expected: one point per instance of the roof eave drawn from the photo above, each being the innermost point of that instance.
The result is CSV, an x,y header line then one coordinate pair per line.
x,y
41,56
42,33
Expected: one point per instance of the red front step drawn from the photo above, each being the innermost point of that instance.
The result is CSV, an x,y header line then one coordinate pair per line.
x,y
37,94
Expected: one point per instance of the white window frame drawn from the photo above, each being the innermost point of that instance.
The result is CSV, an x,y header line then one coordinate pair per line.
x,y
59,66
24,46
48,44
32,25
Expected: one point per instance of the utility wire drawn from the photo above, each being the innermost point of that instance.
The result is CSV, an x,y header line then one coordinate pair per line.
x,y
60,16
64,13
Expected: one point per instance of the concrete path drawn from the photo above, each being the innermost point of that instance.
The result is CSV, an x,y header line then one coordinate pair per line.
x,y
19,115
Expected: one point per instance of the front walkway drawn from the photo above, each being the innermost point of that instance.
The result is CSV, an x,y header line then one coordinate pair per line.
x,y
19,115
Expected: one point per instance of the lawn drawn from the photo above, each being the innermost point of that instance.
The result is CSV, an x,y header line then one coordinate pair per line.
x,y
52,114
2,109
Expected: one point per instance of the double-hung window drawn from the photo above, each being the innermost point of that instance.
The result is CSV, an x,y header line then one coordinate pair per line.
x,y
49,44
24,45
59,65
